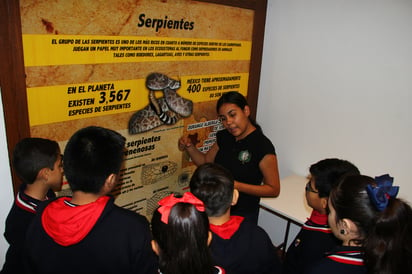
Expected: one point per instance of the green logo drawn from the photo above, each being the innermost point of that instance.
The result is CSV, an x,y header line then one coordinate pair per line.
x,y
244,156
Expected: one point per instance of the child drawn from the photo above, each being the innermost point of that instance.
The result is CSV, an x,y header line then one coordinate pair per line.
x,y
238,245
375,228
181,236
88,233
38,163
315,236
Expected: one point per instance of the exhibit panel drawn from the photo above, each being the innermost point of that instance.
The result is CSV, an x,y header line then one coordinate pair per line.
x,y
151,70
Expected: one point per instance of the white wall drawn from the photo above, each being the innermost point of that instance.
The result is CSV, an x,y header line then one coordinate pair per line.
x,y
337,82
6,193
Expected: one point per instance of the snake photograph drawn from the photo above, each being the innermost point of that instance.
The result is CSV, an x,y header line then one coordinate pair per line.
x,y
166,110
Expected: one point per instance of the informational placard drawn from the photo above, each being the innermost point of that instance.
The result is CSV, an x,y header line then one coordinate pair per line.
x,y
151,70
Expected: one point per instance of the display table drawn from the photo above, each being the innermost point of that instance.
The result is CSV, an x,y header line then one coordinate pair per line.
x,y
291,203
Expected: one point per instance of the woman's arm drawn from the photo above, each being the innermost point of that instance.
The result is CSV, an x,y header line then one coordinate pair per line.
x,y
271,183
198,157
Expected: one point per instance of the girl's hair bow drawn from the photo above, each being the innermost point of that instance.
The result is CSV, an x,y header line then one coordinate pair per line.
x,y
382,192
168,202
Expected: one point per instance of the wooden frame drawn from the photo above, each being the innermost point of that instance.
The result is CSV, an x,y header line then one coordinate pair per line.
x,y
12,77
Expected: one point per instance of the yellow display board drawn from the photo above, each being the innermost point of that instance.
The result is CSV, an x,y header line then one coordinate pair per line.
x,y
151,70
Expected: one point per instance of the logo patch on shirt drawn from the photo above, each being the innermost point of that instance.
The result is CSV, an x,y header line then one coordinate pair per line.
x,y
244,156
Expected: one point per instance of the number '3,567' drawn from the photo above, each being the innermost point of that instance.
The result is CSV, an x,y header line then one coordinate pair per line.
x,y
113,95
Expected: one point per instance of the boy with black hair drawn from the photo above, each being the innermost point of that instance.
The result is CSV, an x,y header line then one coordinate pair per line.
x,y
88,233
316,237
38,163
239,246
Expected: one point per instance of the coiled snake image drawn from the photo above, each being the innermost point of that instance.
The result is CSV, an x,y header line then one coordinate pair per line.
x,y
166,110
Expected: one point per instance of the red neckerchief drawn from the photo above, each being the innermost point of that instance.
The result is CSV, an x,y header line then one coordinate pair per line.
x,y
318,218
227,229
68,225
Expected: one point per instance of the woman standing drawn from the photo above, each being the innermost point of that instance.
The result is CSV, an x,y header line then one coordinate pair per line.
x,y
245,151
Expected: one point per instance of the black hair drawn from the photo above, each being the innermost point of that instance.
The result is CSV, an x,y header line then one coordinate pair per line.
x,y
234,97
213,185
328,172
90,156
388,247
183,241
350,201
385,235
30,155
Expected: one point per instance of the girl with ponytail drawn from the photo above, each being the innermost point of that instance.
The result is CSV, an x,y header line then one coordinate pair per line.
x,y
375,228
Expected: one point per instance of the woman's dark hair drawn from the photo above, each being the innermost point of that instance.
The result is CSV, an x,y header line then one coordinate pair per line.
x,y
30,155
183,241
385,235
90,156
234,97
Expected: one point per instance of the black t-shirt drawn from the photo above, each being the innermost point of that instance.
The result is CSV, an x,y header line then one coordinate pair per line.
x,y
242,158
